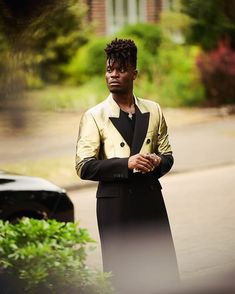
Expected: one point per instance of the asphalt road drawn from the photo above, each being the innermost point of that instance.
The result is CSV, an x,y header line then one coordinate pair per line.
x,y
200,206
203,145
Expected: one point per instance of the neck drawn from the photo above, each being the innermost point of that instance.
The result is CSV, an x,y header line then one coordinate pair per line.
x,y
125,100
125,103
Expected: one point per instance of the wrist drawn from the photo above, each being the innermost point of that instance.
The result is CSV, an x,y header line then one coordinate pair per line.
x,y
130,163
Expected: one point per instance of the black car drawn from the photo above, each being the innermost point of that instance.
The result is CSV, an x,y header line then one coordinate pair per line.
x,y
33,197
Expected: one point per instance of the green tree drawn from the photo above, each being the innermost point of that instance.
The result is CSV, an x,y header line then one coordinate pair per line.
x,y
51,31
148,38
150,34
174,23
36,39
213,20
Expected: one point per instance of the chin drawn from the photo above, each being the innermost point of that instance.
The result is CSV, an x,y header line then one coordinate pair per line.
x,y
116,90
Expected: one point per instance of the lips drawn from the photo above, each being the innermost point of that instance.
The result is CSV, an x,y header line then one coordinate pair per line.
x,y
114,83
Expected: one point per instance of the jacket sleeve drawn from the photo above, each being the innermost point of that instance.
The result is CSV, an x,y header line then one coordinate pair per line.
x,y
165,166
88,164
163,147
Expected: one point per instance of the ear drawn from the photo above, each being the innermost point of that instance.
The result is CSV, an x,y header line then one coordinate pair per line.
x,y
135,74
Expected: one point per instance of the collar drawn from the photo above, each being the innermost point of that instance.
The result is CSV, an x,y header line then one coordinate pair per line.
x,y
114,109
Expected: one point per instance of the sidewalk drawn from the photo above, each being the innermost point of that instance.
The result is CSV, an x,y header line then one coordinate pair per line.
x,y
203,145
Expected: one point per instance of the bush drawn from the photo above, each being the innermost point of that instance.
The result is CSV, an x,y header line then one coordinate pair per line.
x,y
217,70
211,22
177,78
48,257
88,61
174,25
147,38
47,33
79,98
149,34
90,58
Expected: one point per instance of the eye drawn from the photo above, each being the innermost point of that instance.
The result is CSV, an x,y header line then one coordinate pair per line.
x,y
122,69
108,69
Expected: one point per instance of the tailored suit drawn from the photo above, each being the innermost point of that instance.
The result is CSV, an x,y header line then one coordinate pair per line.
x,y
131,213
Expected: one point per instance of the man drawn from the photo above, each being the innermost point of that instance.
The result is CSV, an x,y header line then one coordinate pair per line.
x,y
123,144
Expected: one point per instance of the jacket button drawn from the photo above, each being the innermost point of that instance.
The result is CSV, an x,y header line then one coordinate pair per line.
x,y
148,141
122,144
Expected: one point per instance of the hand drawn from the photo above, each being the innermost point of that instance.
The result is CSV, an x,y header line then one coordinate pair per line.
x,y
141,163
154,158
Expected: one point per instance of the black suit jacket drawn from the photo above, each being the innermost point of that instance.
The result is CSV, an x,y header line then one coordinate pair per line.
x,y
103,145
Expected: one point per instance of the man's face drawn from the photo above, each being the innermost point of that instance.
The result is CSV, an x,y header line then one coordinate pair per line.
x,y
120,79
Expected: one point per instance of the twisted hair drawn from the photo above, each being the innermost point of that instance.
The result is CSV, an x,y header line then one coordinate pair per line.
x,y
122,51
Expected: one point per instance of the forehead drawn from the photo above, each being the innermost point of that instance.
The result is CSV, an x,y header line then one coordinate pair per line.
x,y
118,64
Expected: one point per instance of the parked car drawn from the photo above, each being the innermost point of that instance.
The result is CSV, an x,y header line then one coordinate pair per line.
x,y
33,197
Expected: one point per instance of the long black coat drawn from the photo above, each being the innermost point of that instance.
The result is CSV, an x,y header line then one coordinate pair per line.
x,y
132,219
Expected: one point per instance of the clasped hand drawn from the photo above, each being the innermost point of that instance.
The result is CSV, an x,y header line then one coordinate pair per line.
x,y
144,163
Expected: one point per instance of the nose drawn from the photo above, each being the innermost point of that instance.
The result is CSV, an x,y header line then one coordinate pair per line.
x,y
114,73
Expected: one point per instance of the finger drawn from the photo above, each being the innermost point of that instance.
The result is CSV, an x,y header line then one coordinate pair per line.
x,y
148,163
155,160
145,166
152,160
143,163
142,168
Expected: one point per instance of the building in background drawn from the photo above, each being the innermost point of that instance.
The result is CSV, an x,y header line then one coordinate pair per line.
x,y
109,16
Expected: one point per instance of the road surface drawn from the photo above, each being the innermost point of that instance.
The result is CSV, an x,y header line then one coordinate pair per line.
x,y
200,206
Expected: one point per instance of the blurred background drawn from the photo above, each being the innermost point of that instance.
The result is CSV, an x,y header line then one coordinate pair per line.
x,y
52,69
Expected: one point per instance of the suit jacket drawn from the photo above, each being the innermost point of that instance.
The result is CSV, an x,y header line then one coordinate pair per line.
x,y
103,146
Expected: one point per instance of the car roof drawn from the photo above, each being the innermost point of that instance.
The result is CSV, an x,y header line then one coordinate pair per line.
x,y
14,182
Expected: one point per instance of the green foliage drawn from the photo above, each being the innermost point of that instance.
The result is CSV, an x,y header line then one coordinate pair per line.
x,y
212,21
53,98
3,44
177,79
148,39
167,73
56,42
174,25
88,61
90,58
50,32
174,81
49,256
149,34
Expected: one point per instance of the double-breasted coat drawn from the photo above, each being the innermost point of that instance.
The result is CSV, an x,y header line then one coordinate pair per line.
x,y
129,203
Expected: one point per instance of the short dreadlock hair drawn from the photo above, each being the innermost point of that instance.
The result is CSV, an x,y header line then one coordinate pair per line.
x,y
122,51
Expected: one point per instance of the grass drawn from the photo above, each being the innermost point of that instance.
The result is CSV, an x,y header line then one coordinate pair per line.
x,y
53,98
78,98
58,170
67,97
